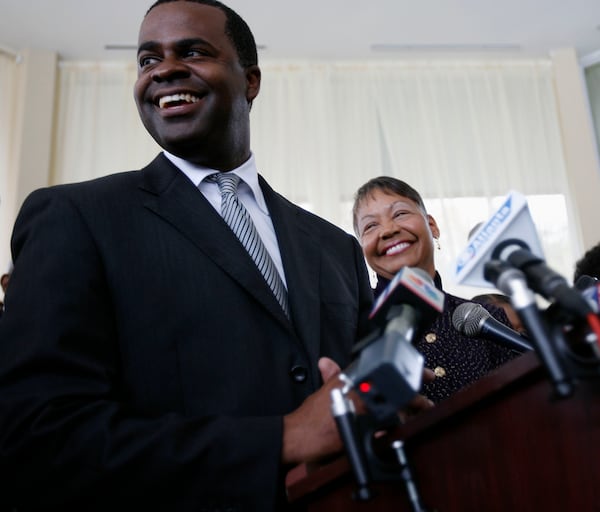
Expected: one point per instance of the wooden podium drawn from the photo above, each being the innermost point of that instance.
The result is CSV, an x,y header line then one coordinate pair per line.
x,y
503,444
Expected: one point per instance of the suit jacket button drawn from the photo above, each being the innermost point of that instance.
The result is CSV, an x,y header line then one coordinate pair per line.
x,y
299,373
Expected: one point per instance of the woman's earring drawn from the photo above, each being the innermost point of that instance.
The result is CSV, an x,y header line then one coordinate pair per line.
x,y
437,243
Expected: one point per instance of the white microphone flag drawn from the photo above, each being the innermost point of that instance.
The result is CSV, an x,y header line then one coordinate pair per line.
x,y
512,220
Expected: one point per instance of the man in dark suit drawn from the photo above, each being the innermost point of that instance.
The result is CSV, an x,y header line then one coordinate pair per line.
x,y
144,360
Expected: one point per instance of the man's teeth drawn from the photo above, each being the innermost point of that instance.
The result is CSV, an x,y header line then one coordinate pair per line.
x,y
396,249
188,98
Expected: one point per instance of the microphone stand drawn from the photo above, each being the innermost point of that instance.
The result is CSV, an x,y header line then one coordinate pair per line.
x,y
356,433
407,477
343,412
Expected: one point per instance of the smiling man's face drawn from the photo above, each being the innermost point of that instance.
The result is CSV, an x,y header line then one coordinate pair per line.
x,y
192,93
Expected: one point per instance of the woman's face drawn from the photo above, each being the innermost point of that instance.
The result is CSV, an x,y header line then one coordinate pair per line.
x,y
394,233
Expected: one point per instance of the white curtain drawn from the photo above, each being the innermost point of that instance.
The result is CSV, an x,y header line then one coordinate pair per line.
x,y
98,130
461,132
8,185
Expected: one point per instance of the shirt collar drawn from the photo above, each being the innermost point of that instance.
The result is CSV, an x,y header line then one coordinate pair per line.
x,y
247,172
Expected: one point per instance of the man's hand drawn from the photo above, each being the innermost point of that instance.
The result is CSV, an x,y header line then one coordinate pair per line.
x,y
310,432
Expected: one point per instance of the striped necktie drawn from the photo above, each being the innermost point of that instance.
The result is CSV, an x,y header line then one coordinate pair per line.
x,y
237,217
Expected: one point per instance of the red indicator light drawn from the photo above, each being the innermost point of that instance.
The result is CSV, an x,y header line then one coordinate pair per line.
x,y
364,387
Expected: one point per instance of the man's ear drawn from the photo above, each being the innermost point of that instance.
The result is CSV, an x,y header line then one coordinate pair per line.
x,y
252,82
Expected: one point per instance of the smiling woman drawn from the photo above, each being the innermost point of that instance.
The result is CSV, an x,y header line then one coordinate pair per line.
x,y
395,231
385,207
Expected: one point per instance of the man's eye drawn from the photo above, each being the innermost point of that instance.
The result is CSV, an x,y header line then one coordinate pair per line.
x,y
147,60
195,53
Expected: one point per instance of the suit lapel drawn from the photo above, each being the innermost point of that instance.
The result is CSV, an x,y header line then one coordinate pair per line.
x,y
300,254
173,197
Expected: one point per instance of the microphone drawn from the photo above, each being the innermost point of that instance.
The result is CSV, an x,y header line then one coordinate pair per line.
x,y
584,281
473,320
581,336
590,290
512,282
540,277
388,371
412,287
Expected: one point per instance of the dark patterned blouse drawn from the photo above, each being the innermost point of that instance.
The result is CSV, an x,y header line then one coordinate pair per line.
x,y
457,360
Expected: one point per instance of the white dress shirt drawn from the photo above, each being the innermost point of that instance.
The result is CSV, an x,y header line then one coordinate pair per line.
x,y
249,193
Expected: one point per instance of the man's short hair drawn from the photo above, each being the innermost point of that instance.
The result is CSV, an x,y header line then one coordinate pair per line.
x,y
236,29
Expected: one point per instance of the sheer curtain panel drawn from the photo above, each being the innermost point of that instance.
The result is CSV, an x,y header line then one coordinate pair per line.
x,y
8,176
461,132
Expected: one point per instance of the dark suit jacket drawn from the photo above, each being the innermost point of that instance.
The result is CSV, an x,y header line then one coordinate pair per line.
x,y
144,360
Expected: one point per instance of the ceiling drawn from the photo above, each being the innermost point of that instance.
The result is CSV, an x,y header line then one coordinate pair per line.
x,y
322,29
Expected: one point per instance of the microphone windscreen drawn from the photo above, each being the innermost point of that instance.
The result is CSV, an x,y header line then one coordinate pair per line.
x,y
584,281
467,318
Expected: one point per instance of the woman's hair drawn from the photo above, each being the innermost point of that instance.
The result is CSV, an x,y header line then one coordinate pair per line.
x,y
385,184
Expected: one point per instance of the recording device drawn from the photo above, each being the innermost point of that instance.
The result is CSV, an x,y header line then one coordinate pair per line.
x,y
473,320
388,370
388,373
